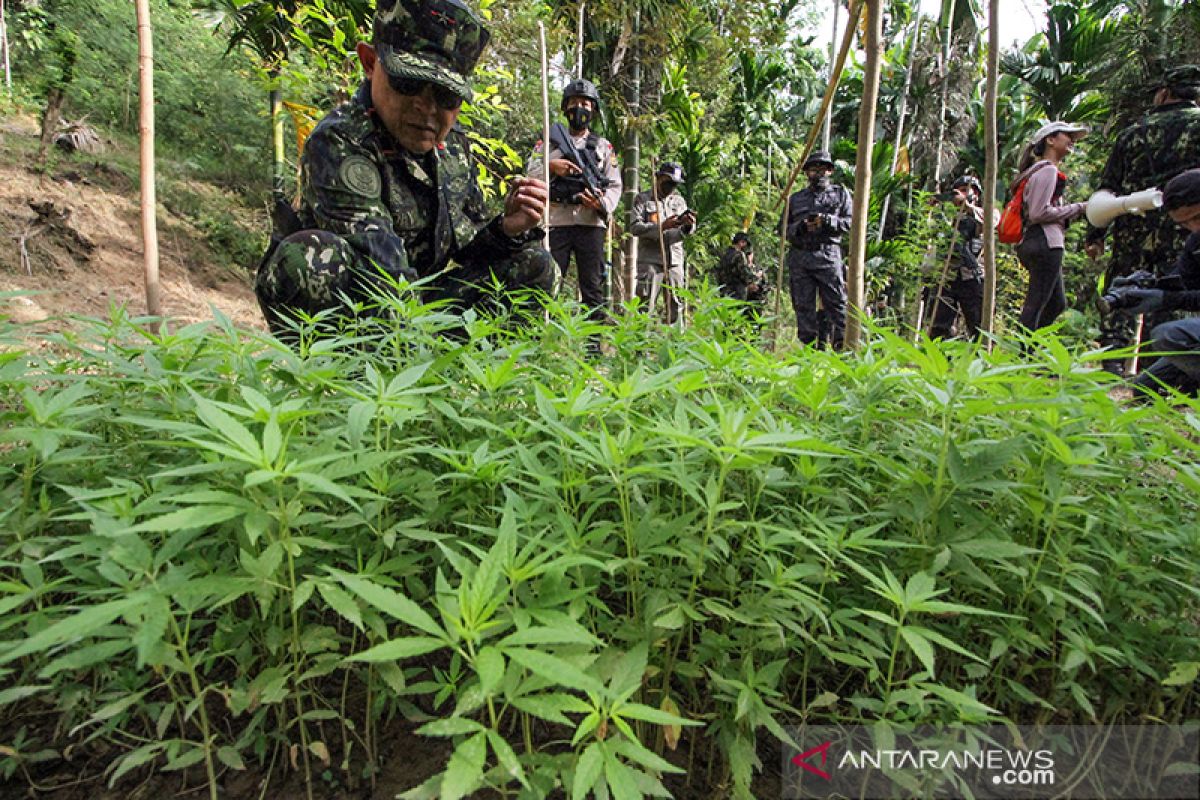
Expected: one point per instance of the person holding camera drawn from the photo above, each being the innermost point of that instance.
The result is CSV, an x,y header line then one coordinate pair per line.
x,y
660,255
960,288
585,187
817,218
1046,217
1177,342
1163,143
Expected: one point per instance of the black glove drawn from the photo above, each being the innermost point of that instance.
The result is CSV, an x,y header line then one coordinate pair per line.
x,y
1145,300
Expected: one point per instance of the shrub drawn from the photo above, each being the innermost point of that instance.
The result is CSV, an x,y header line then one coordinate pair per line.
x,y
567,565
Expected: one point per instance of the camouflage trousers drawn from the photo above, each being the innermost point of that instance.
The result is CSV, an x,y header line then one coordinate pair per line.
x,y
313,271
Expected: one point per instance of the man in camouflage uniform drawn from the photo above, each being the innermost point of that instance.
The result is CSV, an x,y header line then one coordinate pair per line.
x,y
671,215
1147,154
961,286
389,187
817,218
739,278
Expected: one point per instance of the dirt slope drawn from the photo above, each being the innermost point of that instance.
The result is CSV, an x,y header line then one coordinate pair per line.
x,y
80,226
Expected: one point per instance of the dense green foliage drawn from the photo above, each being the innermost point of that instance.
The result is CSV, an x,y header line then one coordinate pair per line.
x,y
563,564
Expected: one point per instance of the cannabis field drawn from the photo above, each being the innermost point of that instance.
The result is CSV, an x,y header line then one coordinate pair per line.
x,y
619,575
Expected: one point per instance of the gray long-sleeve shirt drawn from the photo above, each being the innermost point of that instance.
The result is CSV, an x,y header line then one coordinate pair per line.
x,y
644,224
1043,208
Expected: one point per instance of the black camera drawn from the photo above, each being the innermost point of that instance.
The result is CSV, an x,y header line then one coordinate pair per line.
x,y
1119,296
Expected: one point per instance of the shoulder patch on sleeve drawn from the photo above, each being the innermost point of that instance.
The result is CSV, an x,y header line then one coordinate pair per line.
x,y
361,176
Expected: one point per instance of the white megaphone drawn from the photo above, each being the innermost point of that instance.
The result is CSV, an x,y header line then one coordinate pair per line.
x,y
1103,207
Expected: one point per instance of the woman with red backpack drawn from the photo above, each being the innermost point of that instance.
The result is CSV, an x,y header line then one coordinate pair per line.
x,y
1045,217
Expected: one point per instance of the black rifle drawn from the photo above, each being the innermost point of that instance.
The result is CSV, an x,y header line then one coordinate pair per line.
x,y
566,189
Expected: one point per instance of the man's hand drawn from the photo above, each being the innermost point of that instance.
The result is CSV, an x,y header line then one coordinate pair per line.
x,y
814,222
1146,300
562,167
1094,249
524,206
687,219
671,222
588,199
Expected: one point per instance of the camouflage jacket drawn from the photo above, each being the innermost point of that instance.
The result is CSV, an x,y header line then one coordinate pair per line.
x,y
1147,154
409,215
734,269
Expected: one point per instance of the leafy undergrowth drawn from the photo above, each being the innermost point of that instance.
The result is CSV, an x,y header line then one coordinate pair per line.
x,y
591,573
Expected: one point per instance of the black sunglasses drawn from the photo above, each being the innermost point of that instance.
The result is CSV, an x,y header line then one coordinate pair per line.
x,y
445,98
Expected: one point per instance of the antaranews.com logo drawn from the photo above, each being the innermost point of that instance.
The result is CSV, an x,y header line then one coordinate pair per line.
x,y
1148,762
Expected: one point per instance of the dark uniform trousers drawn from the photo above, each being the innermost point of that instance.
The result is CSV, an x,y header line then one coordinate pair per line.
x,y
813,273
586,243
964,296
1179,368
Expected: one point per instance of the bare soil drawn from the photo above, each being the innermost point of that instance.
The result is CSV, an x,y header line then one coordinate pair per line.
x,y
80,228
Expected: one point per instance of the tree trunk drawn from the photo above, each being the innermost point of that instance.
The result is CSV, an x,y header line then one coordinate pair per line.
x,y
277,149
149,201
991,168
912,49
944,73
873,52
545,130
827,128
4,47
631,154
50,118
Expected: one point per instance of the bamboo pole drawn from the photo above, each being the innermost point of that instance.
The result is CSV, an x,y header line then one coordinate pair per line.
x,y
862,174
545,133
827,128
579,42
146,129
826,102
991,170
4,46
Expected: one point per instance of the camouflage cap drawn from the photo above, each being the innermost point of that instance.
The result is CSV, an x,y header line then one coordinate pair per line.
x,y
1184,75
429,40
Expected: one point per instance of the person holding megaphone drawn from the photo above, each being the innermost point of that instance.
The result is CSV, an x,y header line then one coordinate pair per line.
x,y
1046,217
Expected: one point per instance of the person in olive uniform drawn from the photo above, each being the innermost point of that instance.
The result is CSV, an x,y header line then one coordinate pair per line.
x,y
579,213
1146,155
389,187
961,290
671,214
817,218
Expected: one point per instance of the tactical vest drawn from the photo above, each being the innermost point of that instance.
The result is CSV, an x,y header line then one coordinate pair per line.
x,y
567,188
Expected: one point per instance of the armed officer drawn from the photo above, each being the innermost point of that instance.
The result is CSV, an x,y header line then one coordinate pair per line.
x,y
961,287
817,218
585,187
388,184
1147,154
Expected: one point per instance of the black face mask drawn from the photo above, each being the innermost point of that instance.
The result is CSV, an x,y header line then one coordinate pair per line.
x,y
819,182
579,117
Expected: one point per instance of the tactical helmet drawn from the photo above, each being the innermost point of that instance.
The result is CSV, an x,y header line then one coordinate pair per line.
x,y
819,157
429,40
742,236
671,171
968,180
580,88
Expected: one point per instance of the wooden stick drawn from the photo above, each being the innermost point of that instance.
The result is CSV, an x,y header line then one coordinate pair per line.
x,y
662,246
146,129
545,132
